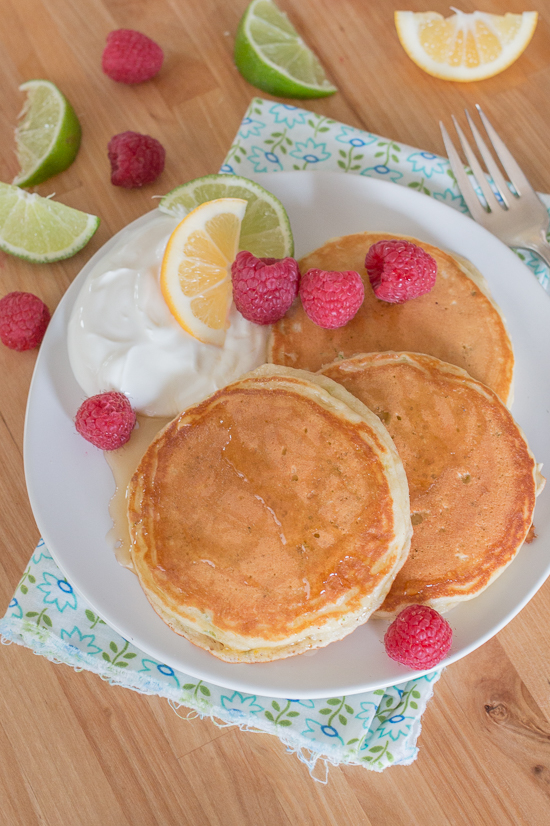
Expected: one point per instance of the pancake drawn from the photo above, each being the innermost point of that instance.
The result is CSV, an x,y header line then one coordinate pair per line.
x,y
472,478
457,321
270,518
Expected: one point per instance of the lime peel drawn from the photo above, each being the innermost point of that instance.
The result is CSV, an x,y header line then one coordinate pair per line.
x,y
265,229
271,55
48,134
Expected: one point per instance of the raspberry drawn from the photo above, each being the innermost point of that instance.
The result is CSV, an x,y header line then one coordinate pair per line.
x,y
399,270
418,637
135,159
106,420
264,288
131,57
331,299
23,320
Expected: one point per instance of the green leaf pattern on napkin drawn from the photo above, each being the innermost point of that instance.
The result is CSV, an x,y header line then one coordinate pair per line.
x,y
374,729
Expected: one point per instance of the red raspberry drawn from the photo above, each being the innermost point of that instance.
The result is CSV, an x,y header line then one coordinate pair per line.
x,y
399,270
135,159
23,320
264,288
131,57
418,637
106,420
331,299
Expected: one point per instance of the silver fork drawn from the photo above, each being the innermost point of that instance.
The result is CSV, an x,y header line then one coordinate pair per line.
x,y
520,220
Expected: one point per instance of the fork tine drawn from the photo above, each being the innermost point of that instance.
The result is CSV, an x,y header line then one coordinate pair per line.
x,y
490,163
464,183
475,166
514,171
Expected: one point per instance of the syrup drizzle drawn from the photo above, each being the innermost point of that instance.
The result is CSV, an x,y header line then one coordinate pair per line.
x,y
123,463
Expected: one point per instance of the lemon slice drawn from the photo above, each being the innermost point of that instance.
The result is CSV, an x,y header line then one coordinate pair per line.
x,y
265,230
464,47
195,276
48,135
39,229
271,55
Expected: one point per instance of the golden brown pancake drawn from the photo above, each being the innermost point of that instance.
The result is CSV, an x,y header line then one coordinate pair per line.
x,y
457,321
270,518
472,478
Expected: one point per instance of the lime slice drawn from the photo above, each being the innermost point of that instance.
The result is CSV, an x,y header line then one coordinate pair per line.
x,y
39,229
48,134
265,229
271,55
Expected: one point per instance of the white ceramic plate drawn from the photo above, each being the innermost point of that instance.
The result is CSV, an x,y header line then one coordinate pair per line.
x,y
70,484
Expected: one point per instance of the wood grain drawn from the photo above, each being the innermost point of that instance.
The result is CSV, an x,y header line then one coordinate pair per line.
x,y
74,749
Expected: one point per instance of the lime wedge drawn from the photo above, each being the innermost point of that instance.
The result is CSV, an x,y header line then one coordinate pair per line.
x,y
48,134
265,229
39,229
271,55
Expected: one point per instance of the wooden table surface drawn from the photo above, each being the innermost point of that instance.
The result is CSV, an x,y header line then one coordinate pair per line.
x,y
74,750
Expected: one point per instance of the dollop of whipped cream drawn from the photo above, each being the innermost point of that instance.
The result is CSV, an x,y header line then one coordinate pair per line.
x,y
122,335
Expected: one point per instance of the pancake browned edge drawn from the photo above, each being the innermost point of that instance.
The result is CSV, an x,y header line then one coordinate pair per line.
x,y
271,518
472,478
457,321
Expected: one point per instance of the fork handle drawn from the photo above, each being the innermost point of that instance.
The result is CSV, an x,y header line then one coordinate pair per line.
x,y
541,247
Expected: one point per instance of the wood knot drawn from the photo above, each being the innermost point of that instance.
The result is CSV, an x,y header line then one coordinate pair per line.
x,y
496,711
542,776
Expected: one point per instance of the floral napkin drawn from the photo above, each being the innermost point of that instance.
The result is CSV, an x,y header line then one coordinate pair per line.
x,y
374,729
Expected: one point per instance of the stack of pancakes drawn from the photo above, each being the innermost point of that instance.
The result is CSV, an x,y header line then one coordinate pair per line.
x,y
276,516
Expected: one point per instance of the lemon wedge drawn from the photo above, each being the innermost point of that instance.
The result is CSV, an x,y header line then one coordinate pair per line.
x,y
195,276
464,47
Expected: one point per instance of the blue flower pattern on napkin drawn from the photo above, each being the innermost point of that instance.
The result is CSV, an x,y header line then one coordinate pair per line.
x,y
264,160
310,152
289,115
427,164
57,591
316,730
354,137
240,706
83,642
250,128
383,171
